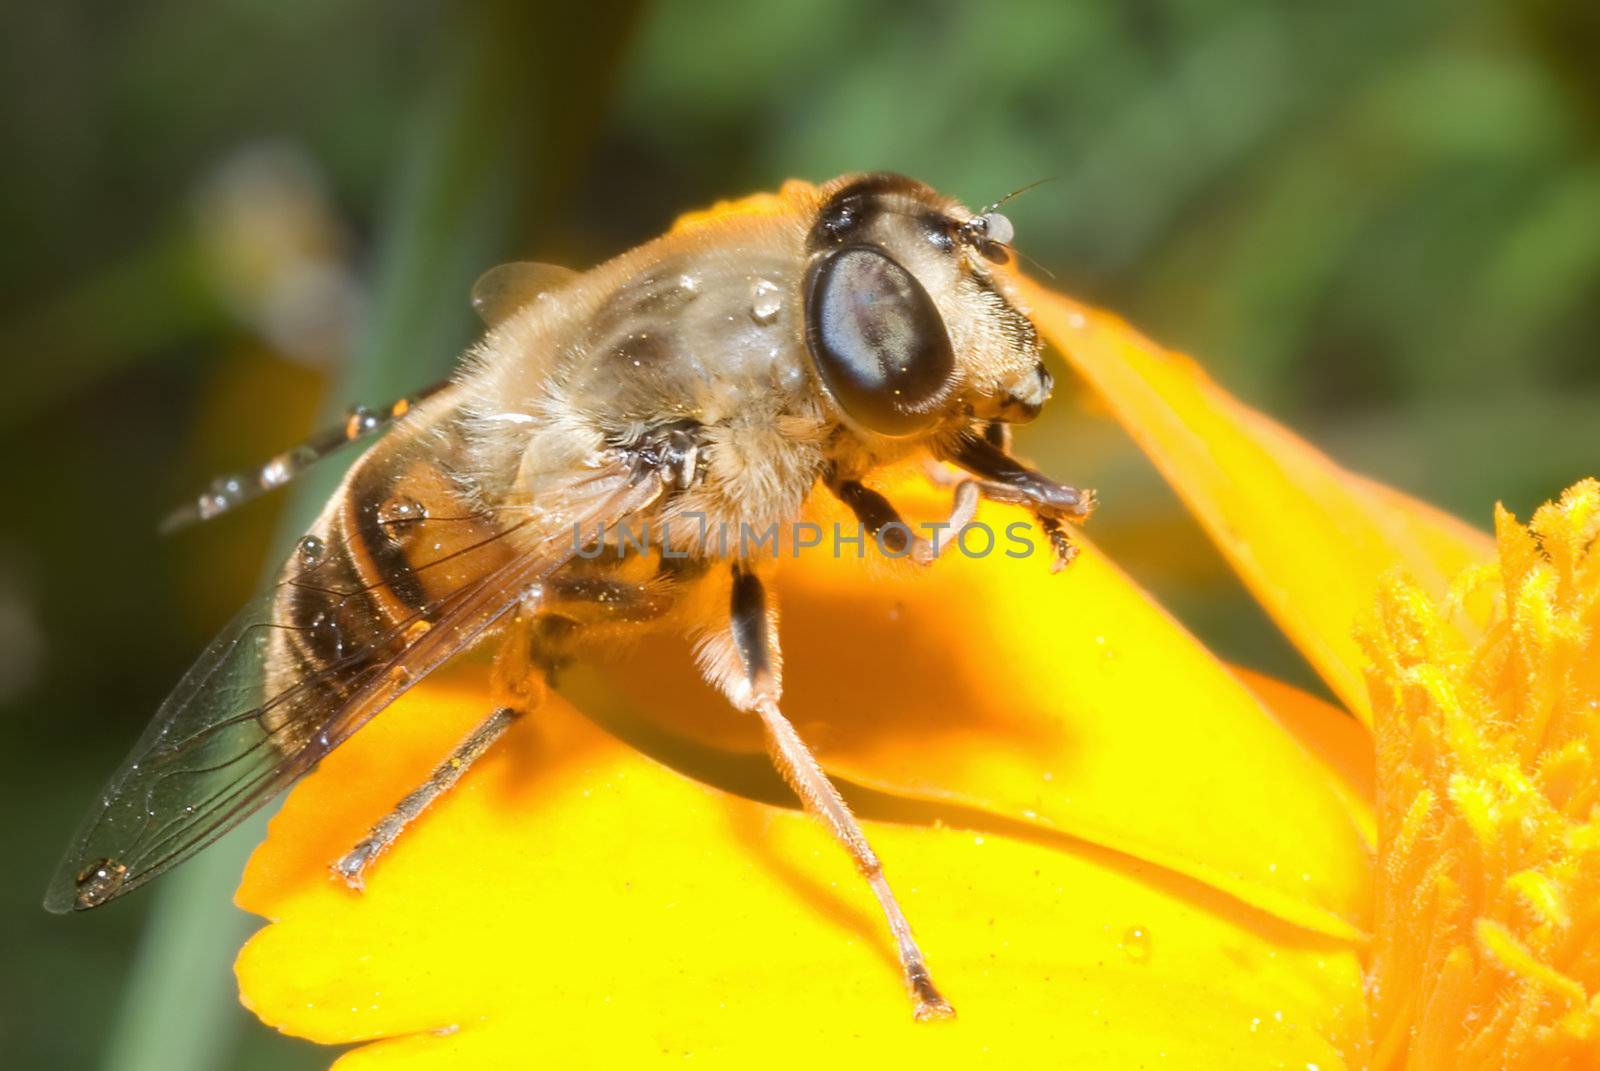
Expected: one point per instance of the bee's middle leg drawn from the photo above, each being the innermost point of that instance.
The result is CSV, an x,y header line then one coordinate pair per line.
x,y
753,636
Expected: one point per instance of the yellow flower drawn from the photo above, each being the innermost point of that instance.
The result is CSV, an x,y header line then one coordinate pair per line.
x,y
1488,889
1117,850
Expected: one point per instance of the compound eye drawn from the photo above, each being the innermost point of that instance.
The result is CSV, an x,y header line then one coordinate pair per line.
x,y
877,340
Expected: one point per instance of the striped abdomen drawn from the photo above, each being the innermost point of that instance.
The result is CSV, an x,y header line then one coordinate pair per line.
x,y
397,542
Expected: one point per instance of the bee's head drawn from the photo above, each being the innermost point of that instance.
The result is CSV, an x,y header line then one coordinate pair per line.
x,y
909,327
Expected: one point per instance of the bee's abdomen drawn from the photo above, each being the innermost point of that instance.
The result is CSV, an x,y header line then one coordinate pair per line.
x,y
389,552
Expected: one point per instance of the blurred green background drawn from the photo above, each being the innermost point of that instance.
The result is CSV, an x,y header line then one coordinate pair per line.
x,y
1378,221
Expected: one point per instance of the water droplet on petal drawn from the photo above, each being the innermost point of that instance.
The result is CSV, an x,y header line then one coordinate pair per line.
x,y
818,735
766,301
1136,944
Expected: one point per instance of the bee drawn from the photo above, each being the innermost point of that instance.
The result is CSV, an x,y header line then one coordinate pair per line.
x,y
723,371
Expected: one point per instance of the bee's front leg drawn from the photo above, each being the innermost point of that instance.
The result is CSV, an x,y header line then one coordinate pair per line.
x,y
884,523
754,630
1002,478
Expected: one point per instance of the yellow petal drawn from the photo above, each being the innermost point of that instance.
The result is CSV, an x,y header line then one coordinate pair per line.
x,y
1069,702
1340,743
1309,538
574,904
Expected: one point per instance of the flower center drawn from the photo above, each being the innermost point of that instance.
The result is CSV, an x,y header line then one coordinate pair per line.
x,y
1487,944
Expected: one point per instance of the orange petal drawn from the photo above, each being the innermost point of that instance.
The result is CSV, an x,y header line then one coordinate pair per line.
x,y
1071,703
1309,538
572,903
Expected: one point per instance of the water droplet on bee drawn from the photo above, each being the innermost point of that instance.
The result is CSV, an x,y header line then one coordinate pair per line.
x,y
310,550
1136,944
227,486
276,472
359,421
326,634
209,505
99,881
766,301
224,492
399,517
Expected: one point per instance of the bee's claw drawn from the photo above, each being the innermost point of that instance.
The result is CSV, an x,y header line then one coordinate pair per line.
x,y
1062,549
930,1004
351,866
1063,558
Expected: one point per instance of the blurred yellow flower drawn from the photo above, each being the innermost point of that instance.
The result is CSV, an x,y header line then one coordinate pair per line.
x,y
1117,850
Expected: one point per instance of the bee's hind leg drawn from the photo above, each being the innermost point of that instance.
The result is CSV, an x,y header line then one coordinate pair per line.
x,y
353,864
754,637
518,684
526,660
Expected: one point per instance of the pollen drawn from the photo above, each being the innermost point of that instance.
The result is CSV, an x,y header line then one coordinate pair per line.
x,y
1486,951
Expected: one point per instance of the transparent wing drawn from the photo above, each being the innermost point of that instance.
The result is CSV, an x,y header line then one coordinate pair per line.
x,y
218,750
